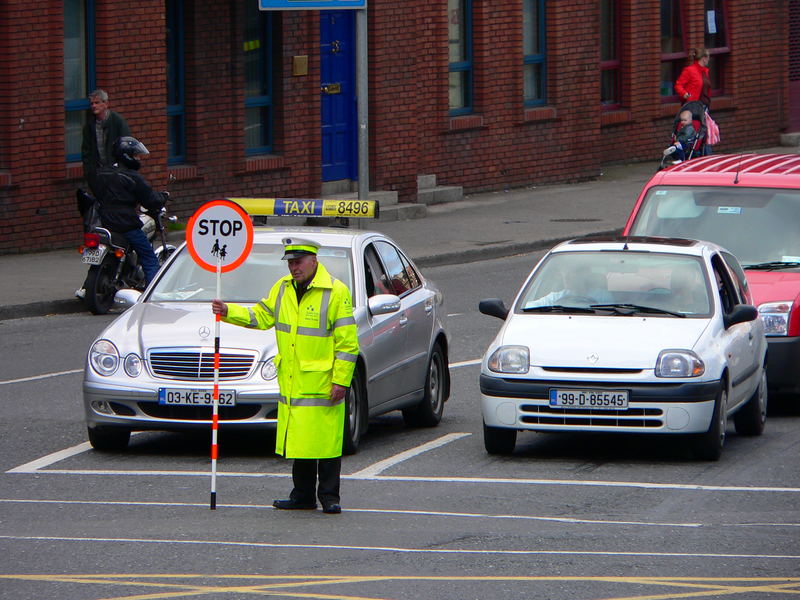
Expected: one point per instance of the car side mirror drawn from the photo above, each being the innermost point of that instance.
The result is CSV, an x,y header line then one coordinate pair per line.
x,y
126,298
741,313
494,307
383,304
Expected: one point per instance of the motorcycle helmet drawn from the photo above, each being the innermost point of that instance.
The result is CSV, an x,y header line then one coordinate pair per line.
x,y
125,151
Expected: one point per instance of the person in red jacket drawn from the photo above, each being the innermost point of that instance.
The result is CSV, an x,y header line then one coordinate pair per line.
x,y
694,82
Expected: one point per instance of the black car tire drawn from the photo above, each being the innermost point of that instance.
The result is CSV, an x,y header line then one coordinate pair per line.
x,y
355,414
100,288
751,418
499,440
109,439
428,413
708,445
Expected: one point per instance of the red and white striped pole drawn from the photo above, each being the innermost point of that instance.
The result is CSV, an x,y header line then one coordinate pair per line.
x,y
215,411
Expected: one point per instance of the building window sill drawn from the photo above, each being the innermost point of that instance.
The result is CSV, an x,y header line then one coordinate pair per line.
x,y
464,122
615,117
264,162
539,113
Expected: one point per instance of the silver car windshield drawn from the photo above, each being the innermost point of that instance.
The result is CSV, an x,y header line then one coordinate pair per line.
x,y
647,280
757,225
185,281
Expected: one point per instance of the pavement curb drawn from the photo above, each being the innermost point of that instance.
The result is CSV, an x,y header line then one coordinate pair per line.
x,y
42,309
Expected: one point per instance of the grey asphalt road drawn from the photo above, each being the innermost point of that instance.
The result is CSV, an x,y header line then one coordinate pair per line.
x,y
427,512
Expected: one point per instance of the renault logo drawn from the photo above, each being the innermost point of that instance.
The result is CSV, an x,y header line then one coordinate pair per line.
x,y
593,358
204,332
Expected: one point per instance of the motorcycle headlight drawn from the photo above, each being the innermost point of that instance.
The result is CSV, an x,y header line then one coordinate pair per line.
x,y
775,316
679,363
510,359
104,358
132,365
268,370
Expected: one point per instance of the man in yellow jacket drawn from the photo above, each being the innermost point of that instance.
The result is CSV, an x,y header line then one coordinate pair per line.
x,y
317,349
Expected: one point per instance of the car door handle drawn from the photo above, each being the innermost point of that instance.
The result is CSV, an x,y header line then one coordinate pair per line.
x,y
428,308
403,321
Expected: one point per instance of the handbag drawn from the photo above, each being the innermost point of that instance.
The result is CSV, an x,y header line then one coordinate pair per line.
x,y
713,131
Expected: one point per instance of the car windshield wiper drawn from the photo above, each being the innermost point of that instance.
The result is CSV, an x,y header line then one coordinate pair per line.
x,y
773,265
559,308
629,309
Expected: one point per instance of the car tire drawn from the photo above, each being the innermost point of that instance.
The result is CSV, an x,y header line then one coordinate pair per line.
x,y
708,445
109,439
355,415
499,440
751,418
428,413
100,288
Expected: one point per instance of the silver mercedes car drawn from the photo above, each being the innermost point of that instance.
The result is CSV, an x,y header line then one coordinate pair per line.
x,y
153,367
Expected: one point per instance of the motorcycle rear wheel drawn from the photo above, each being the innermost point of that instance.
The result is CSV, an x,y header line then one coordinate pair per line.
x,y
100,288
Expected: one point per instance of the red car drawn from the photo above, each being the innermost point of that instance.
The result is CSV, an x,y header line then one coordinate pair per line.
x,y
750,205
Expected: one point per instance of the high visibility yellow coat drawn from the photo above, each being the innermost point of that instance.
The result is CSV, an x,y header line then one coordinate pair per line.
x,y
317,347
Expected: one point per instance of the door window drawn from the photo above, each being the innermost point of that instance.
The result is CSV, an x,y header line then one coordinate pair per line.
x,y
402,277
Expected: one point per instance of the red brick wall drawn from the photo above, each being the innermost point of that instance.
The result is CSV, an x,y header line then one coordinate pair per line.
x,y
502,144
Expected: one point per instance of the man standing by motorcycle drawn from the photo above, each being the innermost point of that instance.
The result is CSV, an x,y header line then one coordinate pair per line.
x,y
122,190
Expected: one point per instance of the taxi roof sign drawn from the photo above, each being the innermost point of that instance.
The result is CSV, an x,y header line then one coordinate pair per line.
x,y
308,207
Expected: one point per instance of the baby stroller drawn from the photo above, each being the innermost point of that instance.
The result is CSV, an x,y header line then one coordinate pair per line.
x,y
693,145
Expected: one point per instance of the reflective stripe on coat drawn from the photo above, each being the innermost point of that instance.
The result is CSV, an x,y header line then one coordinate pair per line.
x,y
317,346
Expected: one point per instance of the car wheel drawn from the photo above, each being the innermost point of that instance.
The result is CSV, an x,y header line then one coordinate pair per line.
x,y
100,288
109,439
499,440
750,419
708,445
355,415
429,411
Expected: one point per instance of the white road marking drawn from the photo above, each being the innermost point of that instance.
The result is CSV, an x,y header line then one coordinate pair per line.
x,y
382,465
429,513
396,549
465,363
45,376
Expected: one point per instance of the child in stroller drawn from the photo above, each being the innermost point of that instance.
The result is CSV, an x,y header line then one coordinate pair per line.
x,y
688,134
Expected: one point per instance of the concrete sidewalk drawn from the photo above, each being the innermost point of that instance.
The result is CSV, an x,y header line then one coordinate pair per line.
x,y
481,226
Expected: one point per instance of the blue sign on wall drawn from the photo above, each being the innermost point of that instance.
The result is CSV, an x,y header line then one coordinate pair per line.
x,y
310,4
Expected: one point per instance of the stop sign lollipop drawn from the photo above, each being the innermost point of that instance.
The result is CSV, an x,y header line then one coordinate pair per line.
x,y
219,237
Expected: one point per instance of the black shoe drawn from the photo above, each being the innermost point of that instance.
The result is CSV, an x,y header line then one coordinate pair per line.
x,y
331,509
294,505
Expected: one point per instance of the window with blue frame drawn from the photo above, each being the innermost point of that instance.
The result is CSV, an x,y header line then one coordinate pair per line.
x,y
459,19
610,63
533,49
176,111
79,71
257,79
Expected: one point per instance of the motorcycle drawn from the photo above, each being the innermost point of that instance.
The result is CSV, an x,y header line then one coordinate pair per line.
x,y
113,264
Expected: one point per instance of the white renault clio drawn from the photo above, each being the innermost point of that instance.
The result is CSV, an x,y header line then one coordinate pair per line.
x,y
628,335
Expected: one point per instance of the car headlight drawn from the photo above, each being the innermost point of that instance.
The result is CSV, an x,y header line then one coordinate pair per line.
x,y
103,357
268,370
775,316
510,359
132,365
679,363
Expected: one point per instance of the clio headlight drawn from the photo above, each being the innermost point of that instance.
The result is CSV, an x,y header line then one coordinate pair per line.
x,y
679,363
104,358
510,359
775,316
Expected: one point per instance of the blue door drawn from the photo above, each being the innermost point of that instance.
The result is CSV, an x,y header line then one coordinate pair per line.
x,y
338,90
